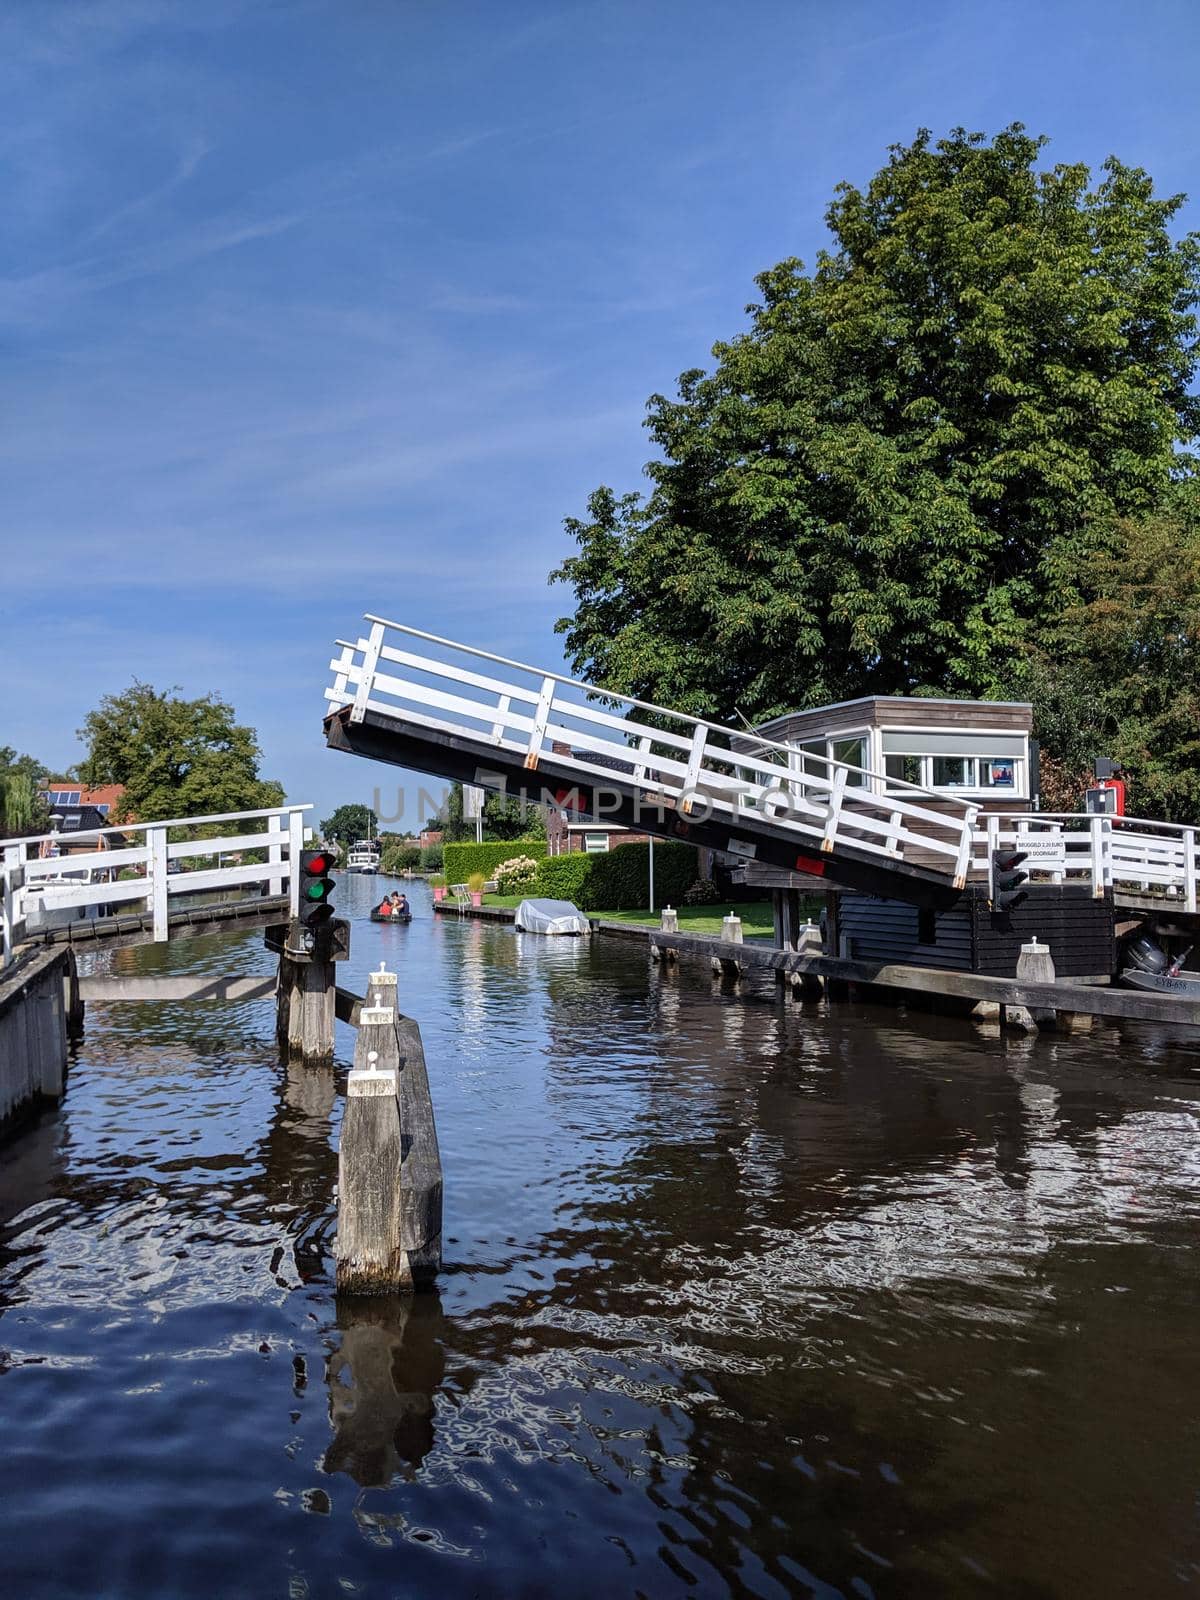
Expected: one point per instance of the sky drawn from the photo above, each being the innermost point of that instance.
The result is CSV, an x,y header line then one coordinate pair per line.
x,y
310,308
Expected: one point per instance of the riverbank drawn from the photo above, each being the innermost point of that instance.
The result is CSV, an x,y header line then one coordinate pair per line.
x,y
756,915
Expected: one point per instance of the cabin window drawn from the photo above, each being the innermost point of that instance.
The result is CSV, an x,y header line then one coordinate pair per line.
x,y
854,753
953,772
595,844
902,769
997,773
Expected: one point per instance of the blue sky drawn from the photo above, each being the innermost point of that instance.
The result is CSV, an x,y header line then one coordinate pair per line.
x,y
309,309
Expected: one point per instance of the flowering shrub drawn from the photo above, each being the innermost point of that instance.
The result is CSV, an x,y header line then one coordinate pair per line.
x,y
515,874
703,892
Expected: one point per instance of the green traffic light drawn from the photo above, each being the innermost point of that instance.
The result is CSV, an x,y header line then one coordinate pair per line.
x,y
317,891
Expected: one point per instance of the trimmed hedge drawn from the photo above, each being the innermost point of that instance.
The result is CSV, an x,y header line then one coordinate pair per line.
x,y
620,880
461,860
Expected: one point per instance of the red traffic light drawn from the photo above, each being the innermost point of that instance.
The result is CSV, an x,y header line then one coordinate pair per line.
x,y
1008,860
316,863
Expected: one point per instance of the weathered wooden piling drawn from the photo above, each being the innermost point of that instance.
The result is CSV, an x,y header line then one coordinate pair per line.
x,y
723,967
33,1033
389,1234
807,985
1035,964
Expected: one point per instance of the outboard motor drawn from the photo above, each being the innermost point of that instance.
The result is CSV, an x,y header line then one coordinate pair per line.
x,y
1145,954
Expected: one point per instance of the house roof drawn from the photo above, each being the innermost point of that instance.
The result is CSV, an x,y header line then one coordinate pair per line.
x,y
61,792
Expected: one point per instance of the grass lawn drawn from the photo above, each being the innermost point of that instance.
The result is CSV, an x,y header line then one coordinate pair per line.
x,y
755,915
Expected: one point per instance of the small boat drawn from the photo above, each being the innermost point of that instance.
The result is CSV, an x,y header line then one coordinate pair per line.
x,y
1184,984
363,856
550,916
1148,966
387,916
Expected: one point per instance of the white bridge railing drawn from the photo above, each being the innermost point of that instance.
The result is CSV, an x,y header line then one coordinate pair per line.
x,y
701,770
1141,857
147,875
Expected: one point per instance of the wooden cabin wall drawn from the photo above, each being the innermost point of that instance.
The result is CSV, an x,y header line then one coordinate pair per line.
x,y
969,937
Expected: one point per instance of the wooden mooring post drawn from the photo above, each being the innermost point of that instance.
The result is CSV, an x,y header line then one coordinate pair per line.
x,y
389,1229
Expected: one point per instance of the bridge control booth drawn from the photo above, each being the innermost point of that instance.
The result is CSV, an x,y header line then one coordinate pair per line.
x,y
979,752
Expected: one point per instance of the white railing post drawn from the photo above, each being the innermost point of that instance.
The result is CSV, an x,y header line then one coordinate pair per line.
x,y
893,844
370,662
503,705
14,877
966,844
541,717
341,668
695,762
1098,828
1189,868
639,770
156,887
833,815
295,845
962,861
991,845
275,854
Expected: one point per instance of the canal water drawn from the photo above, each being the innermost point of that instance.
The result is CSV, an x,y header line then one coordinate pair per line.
x,y
742,1297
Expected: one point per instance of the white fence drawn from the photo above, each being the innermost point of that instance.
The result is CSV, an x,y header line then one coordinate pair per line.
x,y
1134,856
700,770
146,875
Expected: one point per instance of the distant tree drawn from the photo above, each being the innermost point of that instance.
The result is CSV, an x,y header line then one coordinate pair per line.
x,y
897,475
175,757
398,855
504,818
22,807
348,824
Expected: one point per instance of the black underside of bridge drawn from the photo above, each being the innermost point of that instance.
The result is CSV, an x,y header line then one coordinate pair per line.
x,y
457,757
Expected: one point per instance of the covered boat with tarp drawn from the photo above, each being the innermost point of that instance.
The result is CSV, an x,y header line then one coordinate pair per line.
x,y
550,916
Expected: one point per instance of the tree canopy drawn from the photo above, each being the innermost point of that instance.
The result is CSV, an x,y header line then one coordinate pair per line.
x,y
1118,673
22,808
349,824
504,818
900,476
176,758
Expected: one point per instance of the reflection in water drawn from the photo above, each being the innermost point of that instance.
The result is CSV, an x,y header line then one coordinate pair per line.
x,y
742,1297
382,1378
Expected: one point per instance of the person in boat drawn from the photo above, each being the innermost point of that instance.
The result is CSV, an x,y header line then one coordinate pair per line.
x,y
385,908
400,905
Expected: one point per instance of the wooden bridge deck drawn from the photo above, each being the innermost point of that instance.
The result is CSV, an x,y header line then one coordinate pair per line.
x,y
137,927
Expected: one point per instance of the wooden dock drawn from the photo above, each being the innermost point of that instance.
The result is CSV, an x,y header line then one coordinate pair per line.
x,y
893,980
1076,998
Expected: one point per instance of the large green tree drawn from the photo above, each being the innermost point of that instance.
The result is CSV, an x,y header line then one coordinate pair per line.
x,y
349,824
176,758
23,807
898,474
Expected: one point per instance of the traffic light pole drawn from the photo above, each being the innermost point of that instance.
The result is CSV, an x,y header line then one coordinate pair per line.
x,y
307,991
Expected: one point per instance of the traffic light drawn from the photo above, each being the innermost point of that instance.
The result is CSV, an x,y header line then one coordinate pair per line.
x,y
1007,878
316,887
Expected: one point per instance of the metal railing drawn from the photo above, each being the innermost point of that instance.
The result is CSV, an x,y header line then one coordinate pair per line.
x,y
37,887
701,769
